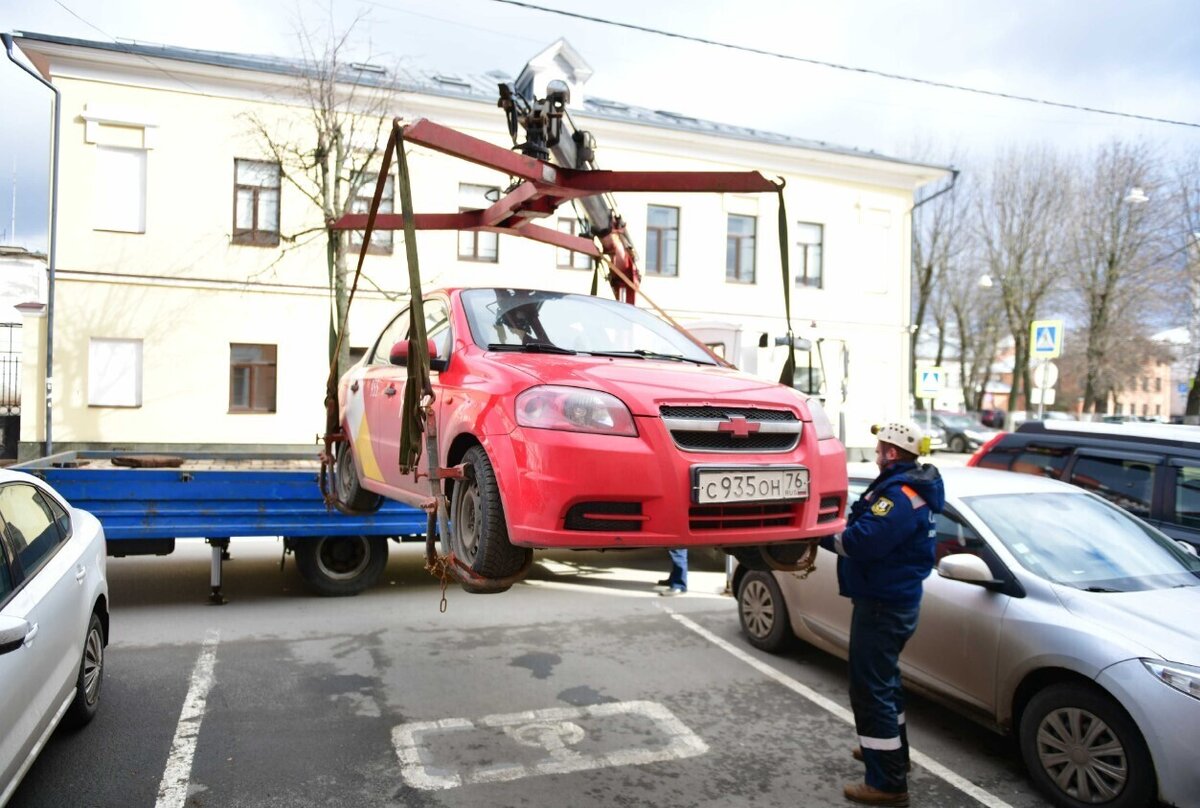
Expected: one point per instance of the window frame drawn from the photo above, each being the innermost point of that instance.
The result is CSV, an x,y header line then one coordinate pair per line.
x,y
803,280
738,273
382,241
654,258
252,380
571,255
256,236
475,256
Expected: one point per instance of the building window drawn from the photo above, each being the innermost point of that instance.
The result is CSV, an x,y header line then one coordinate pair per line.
x,y
120,196
256,203
1145,385
810,240
569,259
662,240
476,245
251,378
739,249
114,372
381,240
1158,384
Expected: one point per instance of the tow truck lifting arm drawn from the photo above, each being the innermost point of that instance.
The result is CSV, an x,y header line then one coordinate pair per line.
x,y
540,186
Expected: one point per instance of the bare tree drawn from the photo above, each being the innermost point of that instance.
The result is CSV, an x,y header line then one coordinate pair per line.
x,y
978,322
337,151
1188,252
1115,270
1017,222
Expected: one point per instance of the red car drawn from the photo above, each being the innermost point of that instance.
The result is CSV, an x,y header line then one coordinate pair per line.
x,y
589,423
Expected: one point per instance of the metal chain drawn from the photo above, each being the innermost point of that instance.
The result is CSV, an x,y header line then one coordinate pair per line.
x,y
439,567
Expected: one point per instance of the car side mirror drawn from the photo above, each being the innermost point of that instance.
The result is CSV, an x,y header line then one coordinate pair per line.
x,y
399,355
968,568
13,633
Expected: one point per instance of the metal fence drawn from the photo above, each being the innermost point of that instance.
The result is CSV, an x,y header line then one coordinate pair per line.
x,y
10,368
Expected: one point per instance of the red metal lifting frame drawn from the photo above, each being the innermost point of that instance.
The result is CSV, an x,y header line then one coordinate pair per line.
x,y
541,187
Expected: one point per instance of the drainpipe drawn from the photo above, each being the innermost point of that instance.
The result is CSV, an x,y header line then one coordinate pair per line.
x,y
912,359
52,253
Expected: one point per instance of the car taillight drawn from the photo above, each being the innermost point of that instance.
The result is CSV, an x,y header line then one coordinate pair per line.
x,y
574,409
974,459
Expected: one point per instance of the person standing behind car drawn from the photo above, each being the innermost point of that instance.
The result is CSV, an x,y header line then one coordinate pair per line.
x,y
884,555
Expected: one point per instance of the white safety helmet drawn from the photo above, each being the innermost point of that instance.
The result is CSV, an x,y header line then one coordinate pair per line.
x,y
903,436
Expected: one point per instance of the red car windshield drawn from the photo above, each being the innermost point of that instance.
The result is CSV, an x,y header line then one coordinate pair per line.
x,y
516,319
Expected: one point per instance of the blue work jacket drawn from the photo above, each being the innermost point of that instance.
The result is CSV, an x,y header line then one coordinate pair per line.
x,y
887,548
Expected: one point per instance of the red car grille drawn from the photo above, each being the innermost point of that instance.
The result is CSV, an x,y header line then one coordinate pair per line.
x,y
741,517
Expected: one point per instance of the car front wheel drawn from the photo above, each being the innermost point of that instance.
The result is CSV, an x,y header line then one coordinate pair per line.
x,y
958,444
348,490
478,532
763,613
1083,749
90,677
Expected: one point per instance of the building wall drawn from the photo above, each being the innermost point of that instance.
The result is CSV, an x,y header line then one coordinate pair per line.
x,y
186,291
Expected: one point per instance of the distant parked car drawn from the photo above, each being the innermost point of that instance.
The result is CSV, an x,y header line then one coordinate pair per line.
x,y
53,620
962,432
992,418
1054,616
1150,470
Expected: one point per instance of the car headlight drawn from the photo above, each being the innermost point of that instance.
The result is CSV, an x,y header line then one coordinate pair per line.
x,y
573,409
1184,678
820,420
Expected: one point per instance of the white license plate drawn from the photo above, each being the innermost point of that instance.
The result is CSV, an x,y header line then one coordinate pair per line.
x,y
750,485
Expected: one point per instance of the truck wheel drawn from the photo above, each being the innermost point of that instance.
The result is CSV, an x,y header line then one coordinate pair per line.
x,y
340,565
346,486
91,676
478,533
1081,748
763,613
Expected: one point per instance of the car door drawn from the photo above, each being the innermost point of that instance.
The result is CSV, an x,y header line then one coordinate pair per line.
x,y
373,397
954,650
437,331
47,581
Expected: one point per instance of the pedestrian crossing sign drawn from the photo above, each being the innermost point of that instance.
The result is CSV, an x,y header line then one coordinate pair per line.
x,y
1045,339
930,382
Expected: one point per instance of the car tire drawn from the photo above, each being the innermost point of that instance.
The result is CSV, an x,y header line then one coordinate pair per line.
x,y
1069,713
337,566
90,677
347,487
763,612
478,532
958,444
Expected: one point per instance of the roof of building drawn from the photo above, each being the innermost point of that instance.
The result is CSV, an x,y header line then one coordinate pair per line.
x,y
481,87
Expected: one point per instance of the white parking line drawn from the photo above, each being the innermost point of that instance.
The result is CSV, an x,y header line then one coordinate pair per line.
x,y
922,760
173,788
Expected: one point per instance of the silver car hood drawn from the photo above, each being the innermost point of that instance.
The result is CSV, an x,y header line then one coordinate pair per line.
x,y
1161,621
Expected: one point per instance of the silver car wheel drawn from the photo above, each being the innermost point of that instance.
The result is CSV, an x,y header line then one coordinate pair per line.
x,y
1082,755
93,665
467,507
758,609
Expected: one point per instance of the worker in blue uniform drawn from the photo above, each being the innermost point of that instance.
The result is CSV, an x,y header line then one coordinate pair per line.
x,y
884,555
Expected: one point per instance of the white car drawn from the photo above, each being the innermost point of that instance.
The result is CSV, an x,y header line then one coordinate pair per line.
x,y
1053,615
53,620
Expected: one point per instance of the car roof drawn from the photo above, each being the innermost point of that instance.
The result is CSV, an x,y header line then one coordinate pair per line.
x,y
969,481
1172,433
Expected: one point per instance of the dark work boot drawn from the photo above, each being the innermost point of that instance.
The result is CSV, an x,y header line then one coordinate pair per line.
x,y
868,795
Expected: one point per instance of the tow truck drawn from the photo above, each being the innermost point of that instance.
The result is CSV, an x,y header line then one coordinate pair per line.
x,y
546,421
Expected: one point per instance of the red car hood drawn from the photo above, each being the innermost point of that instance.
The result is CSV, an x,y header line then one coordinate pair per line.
x,y
645,384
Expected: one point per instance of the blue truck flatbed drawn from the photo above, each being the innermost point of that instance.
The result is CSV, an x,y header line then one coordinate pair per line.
x,y
216,496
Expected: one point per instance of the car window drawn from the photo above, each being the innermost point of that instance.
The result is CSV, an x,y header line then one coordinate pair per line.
x,y
437,326
1187,497
1085,542
6,581
30,525
954,536
396,330
1126,483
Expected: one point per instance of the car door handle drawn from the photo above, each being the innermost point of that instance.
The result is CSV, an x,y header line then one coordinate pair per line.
x,y
389,391
354,386
33,630
80,574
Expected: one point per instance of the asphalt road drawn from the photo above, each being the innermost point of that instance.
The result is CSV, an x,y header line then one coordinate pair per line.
x,y
578,688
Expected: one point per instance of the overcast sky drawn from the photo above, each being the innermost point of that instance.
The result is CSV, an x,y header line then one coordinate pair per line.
x,y
1141,58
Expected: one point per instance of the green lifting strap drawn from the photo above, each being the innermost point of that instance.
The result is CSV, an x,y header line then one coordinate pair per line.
x,y
789,364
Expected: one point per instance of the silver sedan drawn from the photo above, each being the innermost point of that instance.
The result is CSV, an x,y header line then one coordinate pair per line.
x,y
1053,615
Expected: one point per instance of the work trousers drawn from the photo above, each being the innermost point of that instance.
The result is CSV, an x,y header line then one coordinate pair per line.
x,y
878,632
678,577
